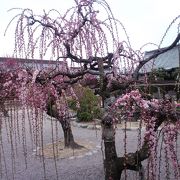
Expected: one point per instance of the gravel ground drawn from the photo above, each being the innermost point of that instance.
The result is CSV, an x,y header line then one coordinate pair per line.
x,y
89,166
86,167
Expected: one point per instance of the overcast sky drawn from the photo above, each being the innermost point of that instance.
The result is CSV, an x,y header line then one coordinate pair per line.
x,y
144,20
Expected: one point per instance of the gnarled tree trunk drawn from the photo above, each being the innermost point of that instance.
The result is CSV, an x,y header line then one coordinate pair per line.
x,y
111,165
65,123
112,170
68,135
115,165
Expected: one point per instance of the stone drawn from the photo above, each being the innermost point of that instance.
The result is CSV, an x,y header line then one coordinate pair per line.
x,y
90,127
98,127
83,125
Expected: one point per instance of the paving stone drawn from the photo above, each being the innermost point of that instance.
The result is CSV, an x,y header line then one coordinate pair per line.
x,y
90,127
83,125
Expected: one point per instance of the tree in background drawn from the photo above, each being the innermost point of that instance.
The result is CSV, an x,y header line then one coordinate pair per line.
x,y
80,38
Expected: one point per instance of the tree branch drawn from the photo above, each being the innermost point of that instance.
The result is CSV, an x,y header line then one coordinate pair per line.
x,y
132,161
160,51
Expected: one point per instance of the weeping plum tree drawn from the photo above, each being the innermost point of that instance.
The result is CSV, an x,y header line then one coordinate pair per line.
x,y
22,84
77,37
7,76
105,63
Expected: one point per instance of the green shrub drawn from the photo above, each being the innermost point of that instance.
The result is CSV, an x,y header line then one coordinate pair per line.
x,y
97,112
178,108
72,104
84,116
89,105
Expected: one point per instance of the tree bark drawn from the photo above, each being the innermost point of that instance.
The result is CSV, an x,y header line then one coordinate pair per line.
x,y
69,141
113,164
112,170
52,111
110,164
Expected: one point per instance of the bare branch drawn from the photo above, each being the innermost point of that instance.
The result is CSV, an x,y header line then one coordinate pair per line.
x,y
161,51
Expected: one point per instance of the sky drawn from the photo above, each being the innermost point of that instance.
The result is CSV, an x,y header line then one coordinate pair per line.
x,y
145,20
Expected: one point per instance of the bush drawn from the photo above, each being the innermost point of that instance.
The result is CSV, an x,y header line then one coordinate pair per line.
x,y
89,105
84,116
97,112
178,107
72,104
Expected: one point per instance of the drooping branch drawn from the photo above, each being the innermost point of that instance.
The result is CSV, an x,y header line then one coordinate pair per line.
x,y
160,51
93,61
132,161
55,29
47,25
